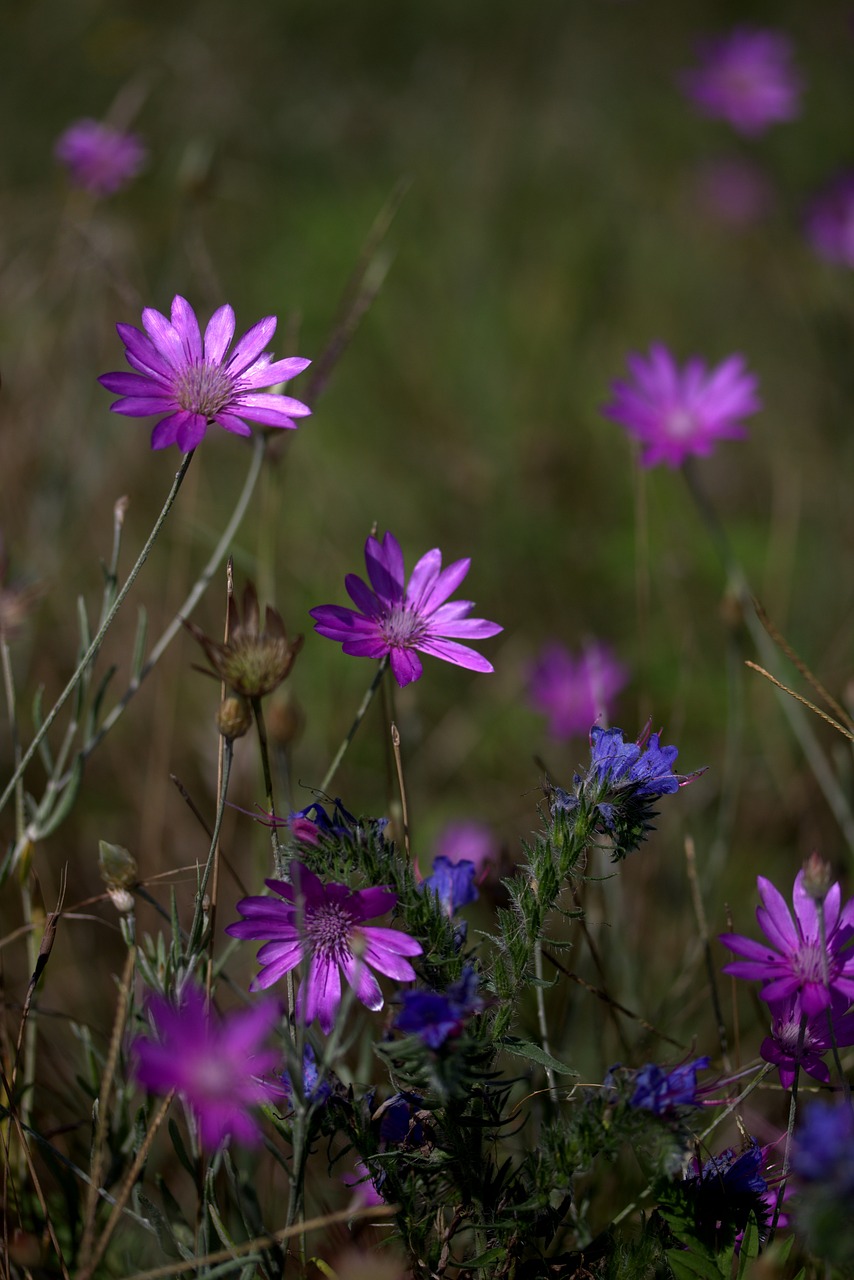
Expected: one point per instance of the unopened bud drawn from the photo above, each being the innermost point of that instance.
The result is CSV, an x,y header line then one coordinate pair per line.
x,y
122,899
818,876
118,867
234,717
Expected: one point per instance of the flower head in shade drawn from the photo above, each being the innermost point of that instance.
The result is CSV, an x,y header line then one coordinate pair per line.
x,y
190,384
98,158
797,962
724,1191
252,662
324,925
575,692
830,221
675,412
663,1091
452,883
215,1067
790,1045
397,618
467,840
746,78
436,1016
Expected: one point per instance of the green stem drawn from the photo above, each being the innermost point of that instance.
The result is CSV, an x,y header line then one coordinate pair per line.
x,y
198,915
263,746
102,631
793,1110
351,733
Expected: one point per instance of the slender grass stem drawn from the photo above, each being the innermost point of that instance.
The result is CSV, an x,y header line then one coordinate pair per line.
x,y
90,653
198,915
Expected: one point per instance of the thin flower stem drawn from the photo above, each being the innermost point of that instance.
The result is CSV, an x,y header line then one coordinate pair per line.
x,y
196,592
541,1019
220,762
198,915
351,733
258,712
102,631
790,1129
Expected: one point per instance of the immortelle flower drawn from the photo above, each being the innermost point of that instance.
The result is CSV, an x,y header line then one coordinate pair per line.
x,y
663,1091
796,1041
798,963
323,924
396,618
675,412
746,77
830,221
251,662
190,385
214,1066
98,157
575,692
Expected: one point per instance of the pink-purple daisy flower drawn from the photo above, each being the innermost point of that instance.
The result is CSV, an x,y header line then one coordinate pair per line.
x,y
324,925
830,221
99,158
396,618
216,1067
675,412
747,78
797,1042
190,384
801,959
575,692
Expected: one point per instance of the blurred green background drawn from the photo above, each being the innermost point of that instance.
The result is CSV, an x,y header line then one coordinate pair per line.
x,y
552,222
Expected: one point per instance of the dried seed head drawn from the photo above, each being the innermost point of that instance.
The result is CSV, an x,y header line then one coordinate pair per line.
x,y
251,662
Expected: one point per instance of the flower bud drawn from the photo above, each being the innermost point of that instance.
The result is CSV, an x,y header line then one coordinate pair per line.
x,y
818,877
118,867
234,717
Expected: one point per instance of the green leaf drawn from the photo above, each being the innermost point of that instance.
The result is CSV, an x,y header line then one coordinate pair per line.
x,y
535,1053
749,1246
687,1265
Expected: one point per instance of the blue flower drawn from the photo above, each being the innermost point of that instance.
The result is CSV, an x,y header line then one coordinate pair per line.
x,y
313,1092
435,1016
399,1123
824,1151
662,1091
452,883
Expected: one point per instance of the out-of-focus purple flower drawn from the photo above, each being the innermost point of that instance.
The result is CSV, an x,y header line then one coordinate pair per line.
x,y
215,1067
364,1185
323,924
435,1016
747,78
675,412
732,190
313,1092
830,221
797,964
823,1163
575,692
662,1091
190,385
785,1048
396,617
452,883
467,840
99,158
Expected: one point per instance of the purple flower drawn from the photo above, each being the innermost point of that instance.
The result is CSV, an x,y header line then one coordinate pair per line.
x,y
798,964
824,1144
314,1090
830,221
467,841
575,692
452,883
436,1016
662,1091
193,385
746,78
99,158
788,1048
674,412
215,1067
724,1192
397,619
364,1186
323,924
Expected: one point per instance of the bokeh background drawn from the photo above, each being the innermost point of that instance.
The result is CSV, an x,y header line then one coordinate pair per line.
x,y
556,215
